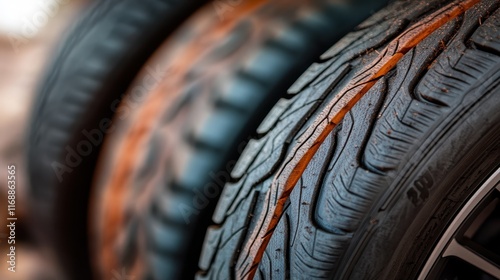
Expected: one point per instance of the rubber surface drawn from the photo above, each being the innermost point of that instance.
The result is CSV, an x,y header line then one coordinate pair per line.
x,y
213,113
424,112
93,67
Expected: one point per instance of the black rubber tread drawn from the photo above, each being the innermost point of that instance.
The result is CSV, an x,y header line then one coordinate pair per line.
x,y
92,68
217,124
336,209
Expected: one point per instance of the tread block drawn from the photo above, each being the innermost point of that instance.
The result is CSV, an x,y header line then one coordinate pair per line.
x,y
215,130
487,36
309,75
246,158
164,236
240,93
273,116
212,241
454,75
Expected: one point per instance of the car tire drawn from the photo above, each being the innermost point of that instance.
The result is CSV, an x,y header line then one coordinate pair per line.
x,y
92,68
361,172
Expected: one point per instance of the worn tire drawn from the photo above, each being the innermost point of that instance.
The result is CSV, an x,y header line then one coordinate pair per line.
x,y
172,153
356,176
91,70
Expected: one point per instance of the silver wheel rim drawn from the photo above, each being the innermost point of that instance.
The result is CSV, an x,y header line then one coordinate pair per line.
x,y
464,226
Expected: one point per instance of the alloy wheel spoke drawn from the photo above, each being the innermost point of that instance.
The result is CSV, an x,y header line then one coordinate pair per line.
x,y
455,249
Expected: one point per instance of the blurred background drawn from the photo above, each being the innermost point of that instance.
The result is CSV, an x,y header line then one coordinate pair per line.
x,y
29,31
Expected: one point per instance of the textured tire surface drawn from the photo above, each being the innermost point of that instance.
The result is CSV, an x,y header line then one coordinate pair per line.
x,y
385,162
214,114
93,67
